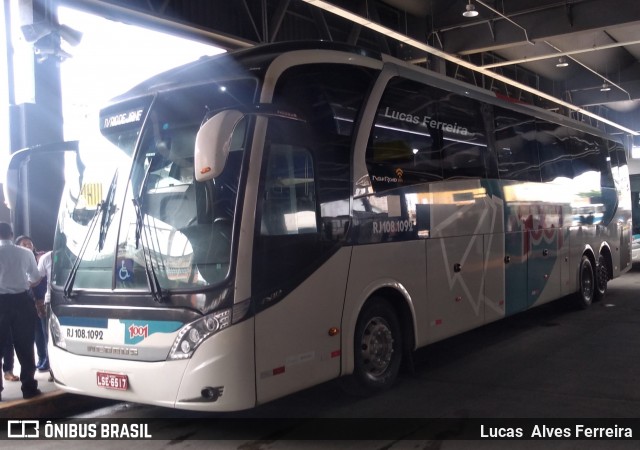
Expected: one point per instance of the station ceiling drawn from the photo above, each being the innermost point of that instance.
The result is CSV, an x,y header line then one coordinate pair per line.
x,y
520,40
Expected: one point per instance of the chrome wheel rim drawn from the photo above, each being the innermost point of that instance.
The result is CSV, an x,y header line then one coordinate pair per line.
x,y
587,283
376,346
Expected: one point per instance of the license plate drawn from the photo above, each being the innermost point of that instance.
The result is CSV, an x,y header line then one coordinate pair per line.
x,y
113,381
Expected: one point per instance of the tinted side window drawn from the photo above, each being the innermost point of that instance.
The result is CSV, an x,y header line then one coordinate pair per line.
x,y
402,148
464,152
303,211
618,156
555,160
621,154
290,197
329,97
589,156
613,155
423,134
516,146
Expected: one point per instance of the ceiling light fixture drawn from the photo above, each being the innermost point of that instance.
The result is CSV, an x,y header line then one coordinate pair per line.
x,y
470,11
605,87
562,62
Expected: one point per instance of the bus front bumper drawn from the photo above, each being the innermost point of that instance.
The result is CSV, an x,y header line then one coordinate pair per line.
x,y
218,377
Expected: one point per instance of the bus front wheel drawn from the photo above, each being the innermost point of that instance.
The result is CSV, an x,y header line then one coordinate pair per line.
x,y
587,283
377,349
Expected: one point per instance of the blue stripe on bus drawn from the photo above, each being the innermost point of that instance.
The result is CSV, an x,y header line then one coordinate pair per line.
x,y
92,322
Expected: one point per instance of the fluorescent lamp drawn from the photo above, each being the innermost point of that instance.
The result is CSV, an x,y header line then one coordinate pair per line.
x,y
605,87
470,11
562,62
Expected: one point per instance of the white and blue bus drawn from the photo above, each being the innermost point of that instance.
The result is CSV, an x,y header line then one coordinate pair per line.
x,y
281,216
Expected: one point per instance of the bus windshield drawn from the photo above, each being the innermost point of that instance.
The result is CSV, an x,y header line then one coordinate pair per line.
x,y
153,226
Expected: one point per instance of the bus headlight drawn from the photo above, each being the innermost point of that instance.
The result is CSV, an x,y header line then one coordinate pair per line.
x,y
56,332
193,334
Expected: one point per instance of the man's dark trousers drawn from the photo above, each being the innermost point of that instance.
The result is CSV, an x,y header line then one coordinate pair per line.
x,y
18,315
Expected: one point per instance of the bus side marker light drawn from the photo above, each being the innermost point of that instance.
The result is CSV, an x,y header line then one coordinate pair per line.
x,y
205,170
333,331
335,353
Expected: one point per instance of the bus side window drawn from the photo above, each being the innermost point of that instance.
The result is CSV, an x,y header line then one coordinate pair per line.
x,y
403,148
424,134
465,151
555,160
289,196
516,146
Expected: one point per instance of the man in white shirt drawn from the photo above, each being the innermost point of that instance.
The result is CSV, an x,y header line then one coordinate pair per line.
x,y
18,272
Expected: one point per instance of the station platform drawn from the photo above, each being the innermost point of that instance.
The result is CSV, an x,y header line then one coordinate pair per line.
x,y
12,402
52,403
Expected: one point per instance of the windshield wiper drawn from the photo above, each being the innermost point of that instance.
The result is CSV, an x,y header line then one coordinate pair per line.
x,y
107,211
104,211
152,278
158,294
137,201
68,285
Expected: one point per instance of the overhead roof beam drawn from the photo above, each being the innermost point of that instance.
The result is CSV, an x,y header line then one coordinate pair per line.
x,y
321,24
558,54
367,23
526,35
541,23
277,18
605,79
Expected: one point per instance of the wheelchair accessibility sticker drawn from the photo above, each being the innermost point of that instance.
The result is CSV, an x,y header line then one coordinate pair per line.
x,y
124,269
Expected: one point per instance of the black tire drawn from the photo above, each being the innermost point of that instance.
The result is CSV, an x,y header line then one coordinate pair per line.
x,y
586,284
602,278
377,349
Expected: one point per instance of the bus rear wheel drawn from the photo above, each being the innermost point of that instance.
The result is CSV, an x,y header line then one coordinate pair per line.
x,y
377,349
586,283
601,278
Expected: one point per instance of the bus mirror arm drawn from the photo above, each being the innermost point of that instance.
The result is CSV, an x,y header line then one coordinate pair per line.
x,y
20,157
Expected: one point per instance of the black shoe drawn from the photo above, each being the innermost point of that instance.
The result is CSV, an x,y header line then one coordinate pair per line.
x,y
30,394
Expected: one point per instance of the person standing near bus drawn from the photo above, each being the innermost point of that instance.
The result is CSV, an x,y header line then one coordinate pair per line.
x,y
44,267
38,292
18,273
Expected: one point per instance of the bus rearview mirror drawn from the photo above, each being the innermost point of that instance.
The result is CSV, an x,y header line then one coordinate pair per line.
x,y
213,144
